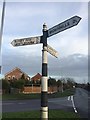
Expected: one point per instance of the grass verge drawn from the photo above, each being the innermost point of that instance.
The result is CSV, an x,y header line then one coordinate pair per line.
x,y
65,93
36,114
20,96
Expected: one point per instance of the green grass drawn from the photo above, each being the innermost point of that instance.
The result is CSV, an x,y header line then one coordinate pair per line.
x,y
0,96
36,114
20,96
37,95
65,93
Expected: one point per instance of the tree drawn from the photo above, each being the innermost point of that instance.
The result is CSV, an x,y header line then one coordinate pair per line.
x,y
59,85
19,84
5,86
24,79
52,82
70,83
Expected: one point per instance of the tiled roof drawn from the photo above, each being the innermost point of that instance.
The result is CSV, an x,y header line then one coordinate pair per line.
x,y
36,77
14,70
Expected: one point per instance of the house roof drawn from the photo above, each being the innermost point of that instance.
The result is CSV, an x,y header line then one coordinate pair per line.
x,y
16,69
36,77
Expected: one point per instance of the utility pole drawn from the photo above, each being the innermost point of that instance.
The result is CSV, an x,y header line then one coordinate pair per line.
x,y
44,80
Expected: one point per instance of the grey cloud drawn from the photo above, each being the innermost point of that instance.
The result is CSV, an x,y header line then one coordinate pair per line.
x,y
30,65
73,65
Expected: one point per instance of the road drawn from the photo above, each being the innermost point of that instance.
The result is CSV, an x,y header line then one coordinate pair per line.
x,y
25,105
77,103
82,100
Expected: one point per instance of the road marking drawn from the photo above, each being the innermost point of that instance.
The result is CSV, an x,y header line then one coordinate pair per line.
x,y
21,103
11,103
73,104
68,97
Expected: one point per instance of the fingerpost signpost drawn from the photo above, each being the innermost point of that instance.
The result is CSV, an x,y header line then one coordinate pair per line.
x,y
46,48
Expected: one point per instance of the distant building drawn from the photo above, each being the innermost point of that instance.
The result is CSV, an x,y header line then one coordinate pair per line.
x,y
36,78
16,74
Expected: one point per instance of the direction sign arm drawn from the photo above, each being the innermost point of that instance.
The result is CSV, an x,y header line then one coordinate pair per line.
x,y
64,25
27,41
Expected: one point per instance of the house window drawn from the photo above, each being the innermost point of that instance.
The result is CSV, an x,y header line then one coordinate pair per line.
x,y
21,74
28,78
13,77
9,77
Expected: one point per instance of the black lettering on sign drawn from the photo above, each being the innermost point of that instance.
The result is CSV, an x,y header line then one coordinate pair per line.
x,y
74,21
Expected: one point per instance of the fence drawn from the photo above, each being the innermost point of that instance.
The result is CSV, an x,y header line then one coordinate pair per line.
x,y
37,89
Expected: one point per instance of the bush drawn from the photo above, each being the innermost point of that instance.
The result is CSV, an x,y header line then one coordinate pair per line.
x,y
5,86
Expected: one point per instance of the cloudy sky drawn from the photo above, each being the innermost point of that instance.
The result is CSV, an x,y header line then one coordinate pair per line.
x,y
26,19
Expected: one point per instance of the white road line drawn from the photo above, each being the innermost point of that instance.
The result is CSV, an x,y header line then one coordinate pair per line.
x,y
73,104
12,103
21,103
68,97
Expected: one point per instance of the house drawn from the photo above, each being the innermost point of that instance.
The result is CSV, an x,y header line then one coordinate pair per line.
x,y
16,74
36,78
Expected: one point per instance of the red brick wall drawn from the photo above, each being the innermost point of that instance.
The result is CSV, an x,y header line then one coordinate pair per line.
x,y
17,73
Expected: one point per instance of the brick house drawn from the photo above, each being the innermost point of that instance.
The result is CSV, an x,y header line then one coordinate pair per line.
x,y
16,74
36,78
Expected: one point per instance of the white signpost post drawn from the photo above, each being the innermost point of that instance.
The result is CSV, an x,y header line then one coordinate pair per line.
x,y
46,48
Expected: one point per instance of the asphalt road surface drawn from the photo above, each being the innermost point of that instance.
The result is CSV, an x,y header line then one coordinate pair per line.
x,y
77,103
81,100
25,105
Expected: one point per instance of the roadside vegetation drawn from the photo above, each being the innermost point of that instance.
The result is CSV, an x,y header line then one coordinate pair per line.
x,y
36,114
12,89
84,86
65,93
22,96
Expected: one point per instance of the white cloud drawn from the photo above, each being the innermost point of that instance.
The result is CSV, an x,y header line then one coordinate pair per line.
x,y
46,0
69,44
19,23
